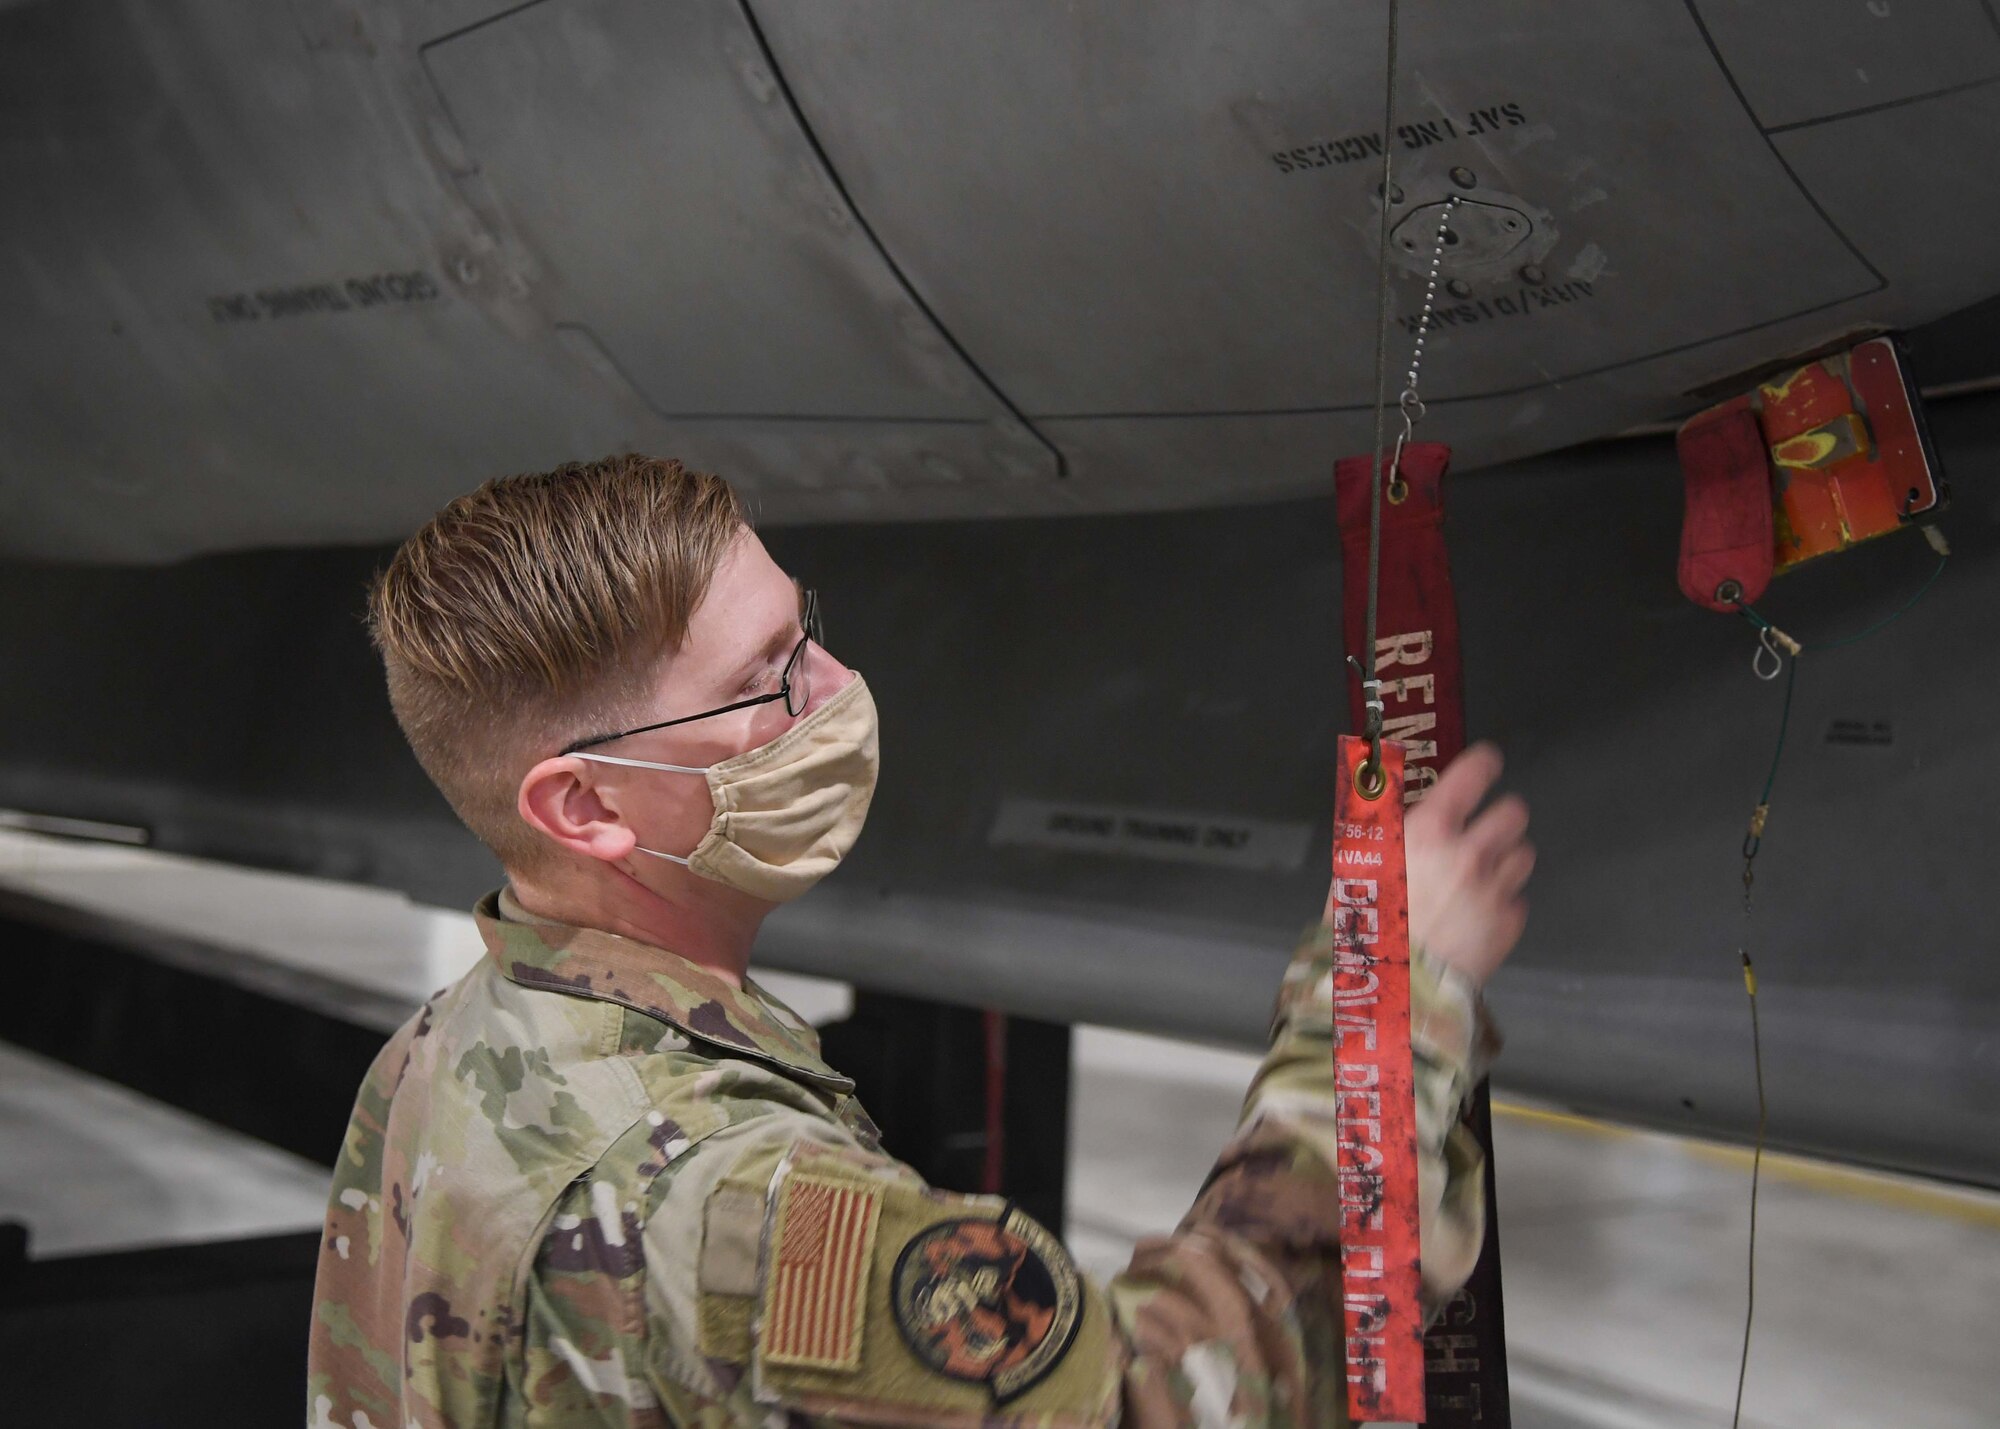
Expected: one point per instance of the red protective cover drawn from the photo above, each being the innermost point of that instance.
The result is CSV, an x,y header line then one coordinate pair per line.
x,y
1726,531
1374,1100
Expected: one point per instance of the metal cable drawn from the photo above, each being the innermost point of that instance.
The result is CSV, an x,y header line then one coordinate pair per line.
x,y
1374,730
1752,845
1756,1172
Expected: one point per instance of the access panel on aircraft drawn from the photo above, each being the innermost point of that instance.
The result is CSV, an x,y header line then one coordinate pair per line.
x,y
697,249
1181,216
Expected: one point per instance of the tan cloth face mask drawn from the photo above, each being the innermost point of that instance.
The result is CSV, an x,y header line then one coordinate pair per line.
x,y
787,812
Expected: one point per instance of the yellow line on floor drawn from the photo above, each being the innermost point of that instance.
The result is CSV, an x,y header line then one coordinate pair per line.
x,y
1979,1208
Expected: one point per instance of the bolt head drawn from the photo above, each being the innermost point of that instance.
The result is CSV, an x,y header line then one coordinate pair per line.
x,y
1532,273
1463,177
1395,192
1459,288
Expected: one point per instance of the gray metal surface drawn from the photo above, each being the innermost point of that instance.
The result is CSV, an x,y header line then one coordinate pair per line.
x,y
1922,224
1241,255
294,275
1875,54
688,231
1181,662
737,304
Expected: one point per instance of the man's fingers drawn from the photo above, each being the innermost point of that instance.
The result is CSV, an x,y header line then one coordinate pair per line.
x,y
1496,831
1510,874
1465,781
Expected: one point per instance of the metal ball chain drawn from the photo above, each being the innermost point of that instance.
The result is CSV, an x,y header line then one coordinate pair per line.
x,y
1411,405
1430,293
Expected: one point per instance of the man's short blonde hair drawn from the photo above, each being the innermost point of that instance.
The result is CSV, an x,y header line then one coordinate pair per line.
x,y
535,611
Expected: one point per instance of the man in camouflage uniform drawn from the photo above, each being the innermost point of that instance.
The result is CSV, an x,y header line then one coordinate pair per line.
x,y
606,1179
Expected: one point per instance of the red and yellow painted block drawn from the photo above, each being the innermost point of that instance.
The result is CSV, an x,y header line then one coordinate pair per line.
x,y
1849,460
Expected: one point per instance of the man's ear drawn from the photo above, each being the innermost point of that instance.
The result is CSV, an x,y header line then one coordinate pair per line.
x,y
560,799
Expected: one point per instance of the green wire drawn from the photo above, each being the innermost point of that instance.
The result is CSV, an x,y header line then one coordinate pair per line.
x,y
1757,618
1893,616
1784,724
1751,846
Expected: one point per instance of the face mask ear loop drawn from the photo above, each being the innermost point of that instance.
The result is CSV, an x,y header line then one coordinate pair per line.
x,y
639,763
669,857
644,764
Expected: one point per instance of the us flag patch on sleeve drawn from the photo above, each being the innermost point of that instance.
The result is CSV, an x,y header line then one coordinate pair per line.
x,y
818,1277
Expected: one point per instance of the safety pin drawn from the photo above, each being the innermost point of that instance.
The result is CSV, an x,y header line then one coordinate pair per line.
x,y
1766,646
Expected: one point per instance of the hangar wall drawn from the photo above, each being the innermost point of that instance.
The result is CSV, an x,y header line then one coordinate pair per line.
x,y
1179,669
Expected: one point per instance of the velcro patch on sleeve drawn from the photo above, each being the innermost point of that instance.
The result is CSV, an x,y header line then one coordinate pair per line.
x,y
732,1224
726,1329
816,1284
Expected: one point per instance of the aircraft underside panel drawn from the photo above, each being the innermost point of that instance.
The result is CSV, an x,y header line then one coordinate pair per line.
x,y
1192,205
294,274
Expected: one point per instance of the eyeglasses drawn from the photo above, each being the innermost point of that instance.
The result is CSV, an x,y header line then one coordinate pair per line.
x,y
794,682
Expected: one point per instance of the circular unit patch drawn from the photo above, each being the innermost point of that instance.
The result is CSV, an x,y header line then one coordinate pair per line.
x,y
988,1302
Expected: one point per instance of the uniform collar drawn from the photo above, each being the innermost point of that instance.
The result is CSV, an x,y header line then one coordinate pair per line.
x,y
539,953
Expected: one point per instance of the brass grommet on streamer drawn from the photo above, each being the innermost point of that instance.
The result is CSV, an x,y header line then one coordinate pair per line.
x,y
1370,778
1399,490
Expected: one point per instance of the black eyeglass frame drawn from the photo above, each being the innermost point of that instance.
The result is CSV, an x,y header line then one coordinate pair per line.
x,y
810,634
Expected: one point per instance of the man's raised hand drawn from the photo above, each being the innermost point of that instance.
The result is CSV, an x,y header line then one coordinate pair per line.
x,y
1468,867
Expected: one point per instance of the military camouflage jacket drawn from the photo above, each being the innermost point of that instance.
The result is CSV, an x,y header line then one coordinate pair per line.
x,y
591,1183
